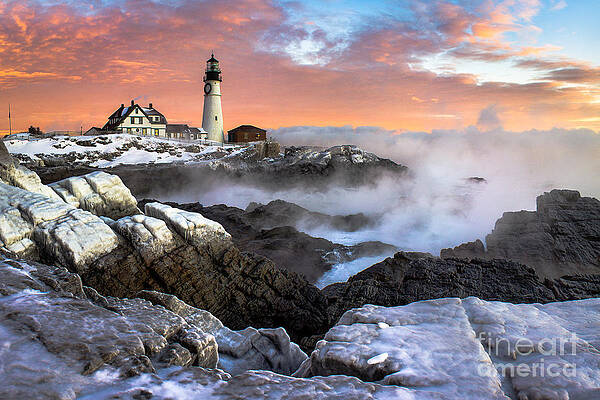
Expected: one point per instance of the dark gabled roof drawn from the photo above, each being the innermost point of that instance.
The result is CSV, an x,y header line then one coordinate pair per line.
x,y
123,112
178,128
212,59
246,128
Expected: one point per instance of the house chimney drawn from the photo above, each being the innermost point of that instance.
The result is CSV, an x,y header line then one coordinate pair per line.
x,y
132,102
150,105
122,105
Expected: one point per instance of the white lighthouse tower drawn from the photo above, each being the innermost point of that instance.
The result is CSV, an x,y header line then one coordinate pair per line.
x,y
212,118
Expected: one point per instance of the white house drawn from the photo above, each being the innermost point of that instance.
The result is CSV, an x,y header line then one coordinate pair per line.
x,y
138,120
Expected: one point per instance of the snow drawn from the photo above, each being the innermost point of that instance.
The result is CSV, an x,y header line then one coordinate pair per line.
x,y
116,149
378,359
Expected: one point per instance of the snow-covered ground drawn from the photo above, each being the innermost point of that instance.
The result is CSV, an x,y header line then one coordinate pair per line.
x,y
111,150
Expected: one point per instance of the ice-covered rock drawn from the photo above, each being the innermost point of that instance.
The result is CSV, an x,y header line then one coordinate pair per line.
x,y
71,236
469,349
428,346
173,251
197,383
239,351
149,236
193,227
549,351
59,337
17,175
98,192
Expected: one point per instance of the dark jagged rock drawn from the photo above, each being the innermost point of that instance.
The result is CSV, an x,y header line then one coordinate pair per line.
x,y
5,157
283,213
259,231
466,250
562,237
409,277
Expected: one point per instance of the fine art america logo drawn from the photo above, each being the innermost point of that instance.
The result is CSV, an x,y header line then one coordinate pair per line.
x,y
546,357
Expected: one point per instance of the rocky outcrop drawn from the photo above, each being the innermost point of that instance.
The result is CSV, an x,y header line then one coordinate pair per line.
x,y
177,252
346,164
308,167
283,213
12,173
54,335
64,340
99,193
560,238
474,249
409,277
468,349
239,351
262,230
62,337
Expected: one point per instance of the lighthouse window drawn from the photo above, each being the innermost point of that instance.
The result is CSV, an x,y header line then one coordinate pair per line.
x,y
216,118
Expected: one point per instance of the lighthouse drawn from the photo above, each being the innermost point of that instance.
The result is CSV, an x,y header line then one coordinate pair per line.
x,y
212,118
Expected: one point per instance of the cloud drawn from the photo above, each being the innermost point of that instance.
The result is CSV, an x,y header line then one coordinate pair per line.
x,y
559,5
281,71
489,119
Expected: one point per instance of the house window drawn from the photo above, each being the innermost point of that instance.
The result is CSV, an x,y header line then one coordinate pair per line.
x,y
128,130
144,131
132,120
156,132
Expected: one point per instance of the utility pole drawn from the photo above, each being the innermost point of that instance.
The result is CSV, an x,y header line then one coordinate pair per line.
x,y
9,121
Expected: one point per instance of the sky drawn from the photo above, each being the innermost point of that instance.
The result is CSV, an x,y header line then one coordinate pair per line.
x,y
398,65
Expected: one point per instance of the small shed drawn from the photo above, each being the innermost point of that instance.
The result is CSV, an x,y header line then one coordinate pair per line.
x,y
245,134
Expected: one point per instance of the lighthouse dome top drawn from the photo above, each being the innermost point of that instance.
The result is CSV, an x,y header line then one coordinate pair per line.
x,y
213,72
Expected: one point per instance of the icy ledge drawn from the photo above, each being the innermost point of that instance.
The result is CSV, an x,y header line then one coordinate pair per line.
x,y
469,349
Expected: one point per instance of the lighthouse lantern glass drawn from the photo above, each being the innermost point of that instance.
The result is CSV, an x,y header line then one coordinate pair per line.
x,y
212,66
